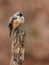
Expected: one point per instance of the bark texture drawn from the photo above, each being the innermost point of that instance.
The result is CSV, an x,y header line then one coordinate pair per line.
x,y
17,48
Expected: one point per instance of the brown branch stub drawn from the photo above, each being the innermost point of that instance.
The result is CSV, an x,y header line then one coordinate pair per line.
x,y
17,47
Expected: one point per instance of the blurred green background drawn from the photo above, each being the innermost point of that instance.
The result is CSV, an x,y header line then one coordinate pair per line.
x,y
36,13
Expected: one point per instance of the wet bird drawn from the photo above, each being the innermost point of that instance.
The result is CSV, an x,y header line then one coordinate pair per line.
x,y
15,21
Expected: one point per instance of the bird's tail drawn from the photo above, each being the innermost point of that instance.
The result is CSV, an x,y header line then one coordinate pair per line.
x,y
10,32
10,28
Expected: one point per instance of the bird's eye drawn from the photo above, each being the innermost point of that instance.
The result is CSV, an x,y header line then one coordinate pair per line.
x,y
20,14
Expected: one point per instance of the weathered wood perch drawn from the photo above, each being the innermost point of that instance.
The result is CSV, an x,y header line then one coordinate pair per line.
x,y
17,47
